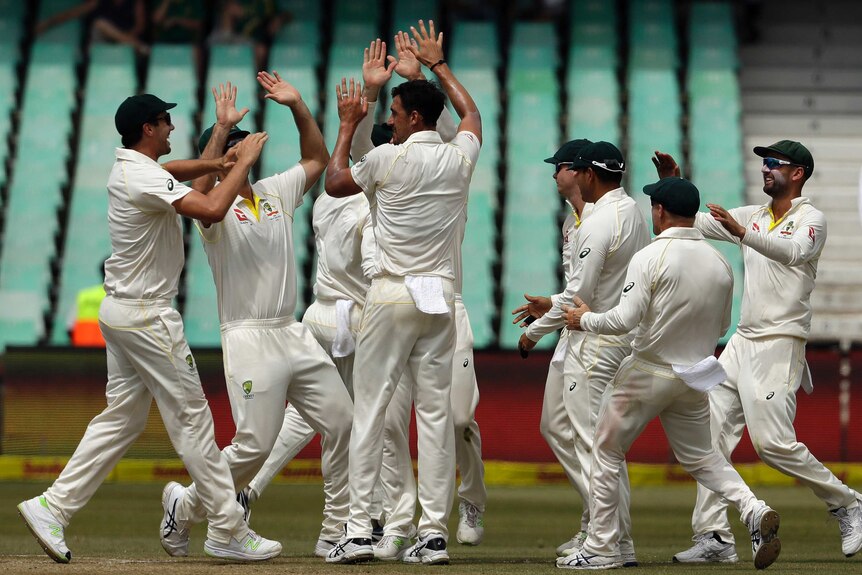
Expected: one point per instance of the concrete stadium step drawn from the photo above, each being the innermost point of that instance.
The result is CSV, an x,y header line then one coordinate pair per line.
x,y
791,55
825,33
828,77
800,101
802,125
836,149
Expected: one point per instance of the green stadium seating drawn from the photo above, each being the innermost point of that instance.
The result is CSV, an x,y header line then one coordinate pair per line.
x,y
233,63
407,13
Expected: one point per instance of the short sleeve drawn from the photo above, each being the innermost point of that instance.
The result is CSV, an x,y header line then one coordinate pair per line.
x,y
157,189
289,186
369,169
468,142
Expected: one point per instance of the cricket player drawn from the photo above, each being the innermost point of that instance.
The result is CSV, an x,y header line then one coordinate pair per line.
x,y
269,357
418,192
148,356
399,486
606,242
678,294
555,425
346,260
781,242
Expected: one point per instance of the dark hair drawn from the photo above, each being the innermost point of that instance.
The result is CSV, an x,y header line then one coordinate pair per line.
x,y
605,176
421,96
133,137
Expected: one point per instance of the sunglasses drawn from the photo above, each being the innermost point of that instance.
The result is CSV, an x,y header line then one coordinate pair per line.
x,y
610,165
774,163
166,118
560,165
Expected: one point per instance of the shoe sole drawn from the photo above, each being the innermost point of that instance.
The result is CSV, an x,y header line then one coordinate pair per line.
x,y
166,493
363,557
733,559
56,556
239,557
616,565
770,547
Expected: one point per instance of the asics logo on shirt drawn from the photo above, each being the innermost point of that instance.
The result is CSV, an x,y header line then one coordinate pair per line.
x,y
770,395
584,253
628,287
170,185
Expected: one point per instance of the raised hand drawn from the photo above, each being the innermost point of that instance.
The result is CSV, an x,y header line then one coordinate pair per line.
x,y
248,151
428,47
375,71
225,101
406,66
665,165
278,89
352,107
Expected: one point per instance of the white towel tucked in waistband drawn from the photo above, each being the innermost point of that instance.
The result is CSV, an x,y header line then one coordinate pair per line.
x,y
344,344
558,360
427,293
702,376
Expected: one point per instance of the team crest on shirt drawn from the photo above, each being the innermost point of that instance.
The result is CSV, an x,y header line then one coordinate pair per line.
x,y
787,230
271,211
191,362
246,389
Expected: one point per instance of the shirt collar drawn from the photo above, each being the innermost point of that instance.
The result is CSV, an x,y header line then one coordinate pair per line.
x,y
680,233
614,195
425,137
134,156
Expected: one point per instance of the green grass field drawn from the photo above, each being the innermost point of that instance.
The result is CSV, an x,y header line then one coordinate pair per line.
x,y
118,533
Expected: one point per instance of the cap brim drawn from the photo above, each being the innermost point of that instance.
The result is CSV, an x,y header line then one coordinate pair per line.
x,y
650,189
551,160
765,152
169,105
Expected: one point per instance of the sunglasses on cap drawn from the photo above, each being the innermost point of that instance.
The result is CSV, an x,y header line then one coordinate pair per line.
x,y
560,165
610,165
773,163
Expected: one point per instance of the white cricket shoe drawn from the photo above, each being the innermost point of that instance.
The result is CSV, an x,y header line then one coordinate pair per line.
x,y
250,547
471,525
323,547
765,544
572,545
850,524
708,548
583,560
430,551
45,527
356,550
174,534
391,548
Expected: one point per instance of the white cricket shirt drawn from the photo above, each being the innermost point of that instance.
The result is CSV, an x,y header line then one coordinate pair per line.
x,y
780,261
146,231
346,248
678,291
606,241
250,251
418,194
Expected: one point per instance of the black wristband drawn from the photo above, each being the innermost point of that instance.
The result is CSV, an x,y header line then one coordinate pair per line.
x,y
437,63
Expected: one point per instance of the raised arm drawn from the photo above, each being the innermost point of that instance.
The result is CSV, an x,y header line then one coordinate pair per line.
x,y
227,116
375,74
352,107
212,207
185,170
312,147
429,51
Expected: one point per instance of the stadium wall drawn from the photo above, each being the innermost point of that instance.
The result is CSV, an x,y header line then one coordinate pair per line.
x,y
49,395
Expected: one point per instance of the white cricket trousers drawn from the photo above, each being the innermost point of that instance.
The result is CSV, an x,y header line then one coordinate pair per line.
x,y
295,433
591,363
267,362
399,486
395,336
148,357
640,392
556,427
763,376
